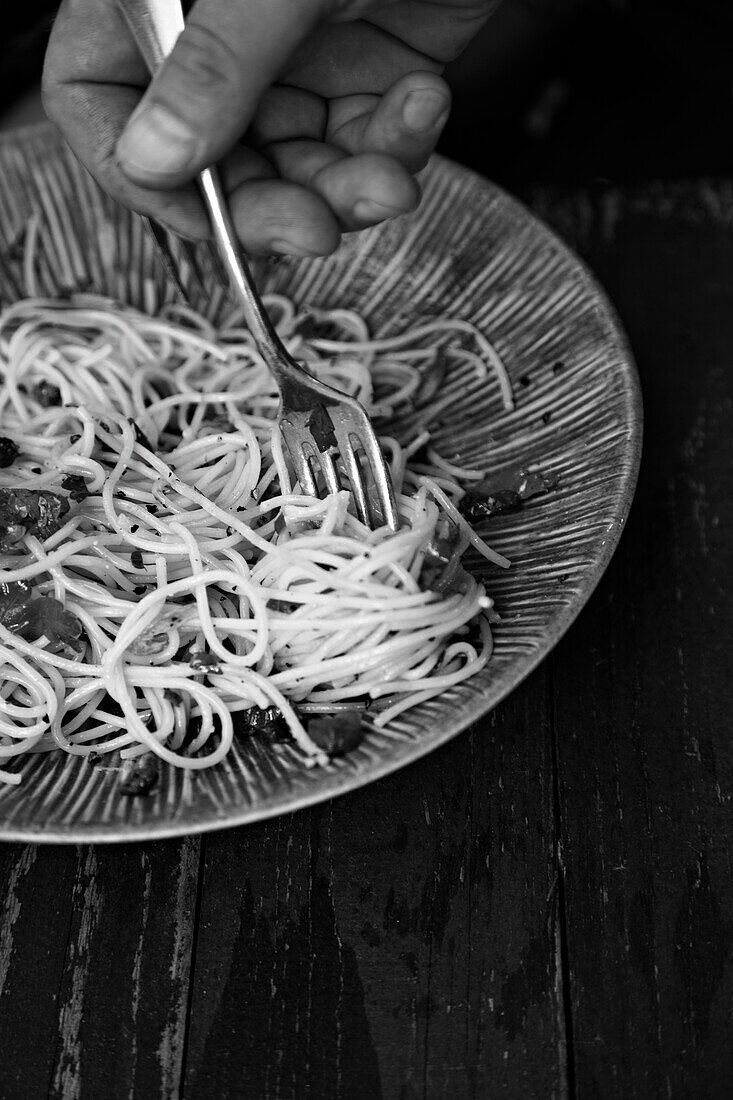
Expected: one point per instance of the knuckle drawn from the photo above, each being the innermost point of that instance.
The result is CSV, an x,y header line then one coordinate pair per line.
x,y
205,59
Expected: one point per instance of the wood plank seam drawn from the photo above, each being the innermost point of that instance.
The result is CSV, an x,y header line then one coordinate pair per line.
x,y
192,969
566,1056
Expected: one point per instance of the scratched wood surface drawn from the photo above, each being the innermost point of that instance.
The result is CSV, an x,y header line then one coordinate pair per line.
x,y
544,908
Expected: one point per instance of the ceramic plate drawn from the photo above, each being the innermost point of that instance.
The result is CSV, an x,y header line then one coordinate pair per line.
x,y
470,252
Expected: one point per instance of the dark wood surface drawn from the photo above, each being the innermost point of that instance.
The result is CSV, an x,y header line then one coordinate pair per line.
x,y
544,908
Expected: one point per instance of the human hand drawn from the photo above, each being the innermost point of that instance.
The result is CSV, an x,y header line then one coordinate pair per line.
x,y
319,111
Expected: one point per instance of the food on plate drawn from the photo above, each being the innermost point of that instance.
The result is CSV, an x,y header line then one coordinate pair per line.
x,y
164,587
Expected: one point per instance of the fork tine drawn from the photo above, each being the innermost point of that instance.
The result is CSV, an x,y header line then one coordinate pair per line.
x,y
330,474
380,507
306,458
301,451
353,470
382,477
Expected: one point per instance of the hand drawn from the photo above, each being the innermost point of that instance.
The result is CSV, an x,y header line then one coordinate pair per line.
x,y
320,111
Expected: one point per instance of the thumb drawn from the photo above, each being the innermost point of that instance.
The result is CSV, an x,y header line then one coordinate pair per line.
x,y
206,93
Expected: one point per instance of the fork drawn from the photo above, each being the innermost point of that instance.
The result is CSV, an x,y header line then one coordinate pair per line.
x,y
323,430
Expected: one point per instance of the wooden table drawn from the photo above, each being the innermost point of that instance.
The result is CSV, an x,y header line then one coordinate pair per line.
x,y
544,908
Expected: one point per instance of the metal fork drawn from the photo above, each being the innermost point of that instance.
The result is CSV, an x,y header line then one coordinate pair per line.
x,y
322,429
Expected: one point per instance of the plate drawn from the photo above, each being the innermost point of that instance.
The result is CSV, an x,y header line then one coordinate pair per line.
x,y
472,252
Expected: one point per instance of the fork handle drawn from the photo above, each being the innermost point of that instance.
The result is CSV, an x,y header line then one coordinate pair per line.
x,y
155,25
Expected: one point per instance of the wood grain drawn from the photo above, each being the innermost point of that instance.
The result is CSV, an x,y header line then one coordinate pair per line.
x,y
95,949
397,945
643,688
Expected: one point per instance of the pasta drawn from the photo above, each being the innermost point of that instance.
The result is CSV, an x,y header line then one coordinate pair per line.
x,y
160,573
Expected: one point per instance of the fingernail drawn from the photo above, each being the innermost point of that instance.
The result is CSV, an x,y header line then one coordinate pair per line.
x,y
367,210
422,111
156,142
292,248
